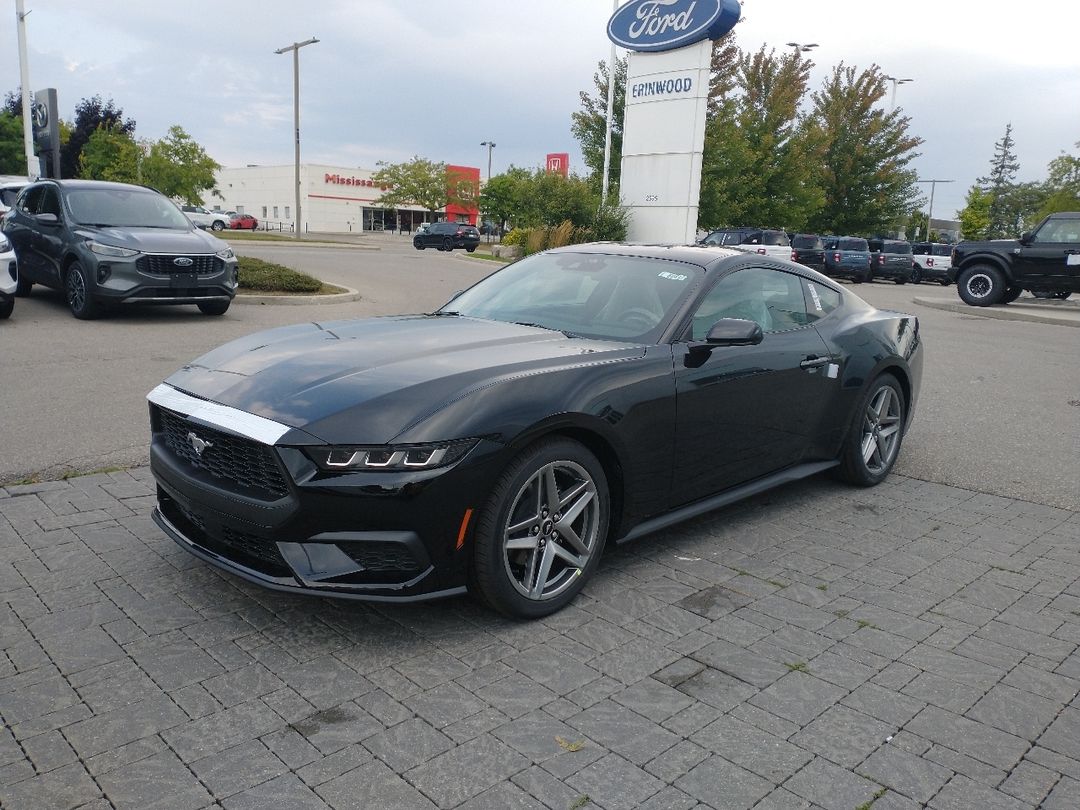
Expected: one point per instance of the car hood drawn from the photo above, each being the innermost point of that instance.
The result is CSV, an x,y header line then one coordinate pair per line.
x,y
155,240
385,374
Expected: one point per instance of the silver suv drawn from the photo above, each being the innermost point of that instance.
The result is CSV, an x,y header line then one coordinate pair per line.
x,y
107,244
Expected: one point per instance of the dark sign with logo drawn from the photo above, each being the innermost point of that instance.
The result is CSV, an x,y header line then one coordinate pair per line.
x,y
663,25
46,126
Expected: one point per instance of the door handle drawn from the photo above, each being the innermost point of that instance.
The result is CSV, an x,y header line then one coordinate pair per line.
x,y
814,362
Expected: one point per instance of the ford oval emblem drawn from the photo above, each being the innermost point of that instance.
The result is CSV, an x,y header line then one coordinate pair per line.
x,y
183,261
663,25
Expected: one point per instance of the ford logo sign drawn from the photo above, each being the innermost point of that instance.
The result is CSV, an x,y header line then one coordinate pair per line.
x,y
663,25
183,261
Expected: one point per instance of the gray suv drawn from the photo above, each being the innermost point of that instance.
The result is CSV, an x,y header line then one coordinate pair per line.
x,y
113,243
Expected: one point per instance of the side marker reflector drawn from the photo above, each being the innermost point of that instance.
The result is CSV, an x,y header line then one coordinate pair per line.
x,y
464,528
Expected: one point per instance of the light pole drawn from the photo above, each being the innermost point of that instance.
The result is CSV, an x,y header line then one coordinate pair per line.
x,y
295,48
24,75
930,210
610,113
895,81
490,145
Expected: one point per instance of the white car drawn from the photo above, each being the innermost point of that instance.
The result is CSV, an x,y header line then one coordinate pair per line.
x,y
9,277
772,243
214,220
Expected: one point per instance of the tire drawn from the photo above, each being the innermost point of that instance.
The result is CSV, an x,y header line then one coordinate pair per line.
x,y
23,286
877,429
418,244
981,285
213,307
900,280
471,249
511,578
1011,294
217,225
447,244
7,306
916,275
77,293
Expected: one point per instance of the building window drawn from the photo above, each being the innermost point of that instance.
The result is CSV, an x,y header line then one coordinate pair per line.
x,y
275,212
264,212
239,209
286,212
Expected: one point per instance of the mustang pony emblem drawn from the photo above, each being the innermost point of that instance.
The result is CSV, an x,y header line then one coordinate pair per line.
x,y
198,445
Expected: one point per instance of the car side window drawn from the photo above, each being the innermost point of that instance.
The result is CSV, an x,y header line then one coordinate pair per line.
x,y
771,298
50,202
31,199
820,300
1061,230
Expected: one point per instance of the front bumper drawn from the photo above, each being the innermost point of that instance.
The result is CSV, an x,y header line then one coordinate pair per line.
x,y
132,281
9,274
395,536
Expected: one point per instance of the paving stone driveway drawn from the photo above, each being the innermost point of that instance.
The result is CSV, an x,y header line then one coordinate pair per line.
x,y
819,646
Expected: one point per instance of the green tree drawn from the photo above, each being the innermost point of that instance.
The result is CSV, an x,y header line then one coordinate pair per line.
x,y
916,227
975,216
757,165
111,154
503,196
419,182
1003,169
589,126
1062,185
12,154
90,114
861,155
179,167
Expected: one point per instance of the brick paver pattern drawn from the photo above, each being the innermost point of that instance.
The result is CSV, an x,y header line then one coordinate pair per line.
x,y
820,646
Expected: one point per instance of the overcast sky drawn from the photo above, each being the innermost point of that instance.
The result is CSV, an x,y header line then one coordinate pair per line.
x,y
392,78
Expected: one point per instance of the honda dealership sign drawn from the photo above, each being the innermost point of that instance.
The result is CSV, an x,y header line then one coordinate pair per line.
x,y
667,94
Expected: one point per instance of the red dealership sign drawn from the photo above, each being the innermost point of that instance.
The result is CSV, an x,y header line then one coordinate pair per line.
x,y
559,163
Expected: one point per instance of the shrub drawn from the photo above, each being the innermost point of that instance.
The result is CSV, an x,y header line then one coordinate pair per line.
x,y
514,236
255,274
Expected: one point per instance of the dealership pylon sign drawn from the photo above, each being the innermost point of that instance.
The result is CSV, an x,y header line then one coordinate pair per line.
x,y
667,94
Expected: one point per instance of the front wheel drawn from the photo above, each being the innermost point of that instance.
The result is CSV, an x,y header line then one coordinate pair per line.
x,y
418,244
981,285
539,538
214,307
7,306
447,244
874,438
1011,294
916,275
217,225
22,286
77,291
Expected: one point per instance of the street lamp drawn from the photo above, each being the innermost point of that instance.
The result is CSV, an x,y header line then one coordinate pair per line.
x,y
895,81
803,48
490,145
295,48
930,210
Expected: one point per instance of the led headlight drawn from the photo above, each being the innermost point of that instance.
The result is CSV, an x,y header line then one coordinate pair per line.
x,y
111,250
227,253
390,458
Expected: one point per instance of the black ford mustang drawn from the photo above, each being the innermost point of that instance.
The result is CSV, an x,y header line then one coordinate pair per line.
x,y
586,394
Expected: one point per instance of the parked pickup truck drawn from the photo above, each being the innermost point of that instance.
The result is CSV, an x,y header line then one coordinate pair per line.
x,y
891,258
932,260
1046,262
847,257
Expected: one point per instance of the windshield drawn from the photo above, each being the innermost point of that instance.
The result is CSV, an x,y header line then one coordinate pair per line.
x,y
586,294
125,208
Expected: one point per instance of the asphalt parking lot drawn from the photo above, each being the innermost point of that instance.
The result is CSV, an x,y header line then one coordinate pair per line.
x,y
914,645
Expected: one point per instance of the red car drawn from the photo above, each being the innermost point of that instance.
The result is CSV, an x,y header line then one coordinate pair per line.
x,y
241,221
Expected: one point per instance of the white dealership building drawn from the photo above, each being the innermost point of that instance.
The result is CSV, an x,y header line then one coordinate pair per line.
x,y
333,199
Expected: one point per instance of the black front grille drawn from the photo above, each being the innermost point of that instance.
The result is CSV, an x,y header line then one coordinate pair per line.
x,y
249,466
391,557
252,545
165,265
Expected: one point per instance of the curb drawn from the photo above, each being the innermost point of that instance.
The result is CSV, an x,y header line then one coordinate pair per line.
x,y
1002,312
282,243
335,298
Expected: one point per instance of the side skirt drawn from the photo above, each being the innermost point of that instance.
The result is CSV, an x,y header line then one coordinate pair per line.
x,y
739,493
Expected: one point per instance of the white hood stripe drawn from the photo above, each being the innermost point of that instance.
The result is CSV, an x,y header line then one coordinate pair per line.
x,y
233,420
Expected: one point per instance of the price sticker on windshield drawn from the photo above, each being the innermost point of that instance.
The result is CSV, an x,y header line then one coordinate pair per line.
x,y
673,276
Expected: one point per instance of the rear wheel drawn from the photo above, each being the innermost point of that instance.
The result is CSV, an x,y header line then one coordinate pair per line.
x,y
22,286
447,244
217,225
471,249
77,291
1011,294
7,306
916,274
874,438
539,538
214,307
981,285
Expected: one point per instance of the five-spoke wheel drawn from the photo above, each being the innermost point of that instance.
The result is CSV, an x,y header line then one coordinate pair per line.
x,y
874,437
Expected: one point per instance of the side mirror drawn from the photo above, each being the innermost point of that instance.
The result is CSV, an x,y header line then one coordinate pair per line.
x,y
1027,238
734,332
47,219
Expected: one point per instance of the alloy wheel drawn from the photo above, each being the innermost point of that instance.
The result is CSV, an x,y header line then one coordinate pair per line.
x,y
552,530
979,285
881,430
76,290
